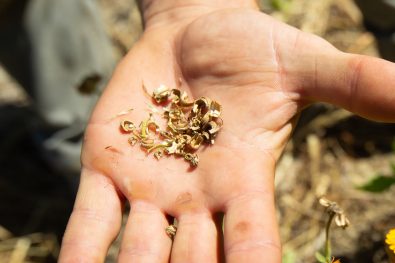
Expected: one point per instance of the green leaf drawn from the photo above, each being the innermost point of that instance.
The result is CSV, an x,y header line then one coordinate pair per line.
x,y
378,184
280,5
321,258
288,256
393,169
329,253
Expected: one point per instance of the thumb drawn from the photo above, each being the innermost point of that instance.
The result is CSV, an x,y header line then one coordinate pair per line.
x,y
361,84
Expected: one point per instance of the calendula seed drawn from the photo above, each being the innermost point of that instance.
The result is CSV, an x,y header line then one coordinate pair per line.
x,y
127,126
190,124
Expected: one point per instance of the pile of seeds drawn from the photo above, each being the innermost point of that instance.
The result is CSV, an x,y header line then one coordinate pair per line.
x,y
190,124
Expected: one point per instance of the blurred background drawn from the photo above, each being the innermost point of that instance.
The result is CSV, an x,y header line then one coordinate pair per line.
x,y
56,56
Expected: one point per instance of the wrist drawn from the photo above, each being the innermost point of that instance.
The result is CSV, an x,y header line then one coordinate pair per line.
x,y
165,12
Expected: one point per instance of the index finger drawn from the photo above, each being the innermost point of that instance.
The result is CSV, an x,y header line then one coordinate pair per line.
x,y
94,222
361,84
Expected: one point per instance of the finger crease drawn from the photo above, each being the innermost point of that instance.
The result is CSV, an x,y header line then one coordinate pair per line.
x,y
92,215
248,196
355,75
138,251
248,245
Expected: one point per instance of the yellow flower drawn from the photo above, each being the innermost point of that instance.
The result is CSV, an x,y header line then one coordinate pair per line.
x,y
390,241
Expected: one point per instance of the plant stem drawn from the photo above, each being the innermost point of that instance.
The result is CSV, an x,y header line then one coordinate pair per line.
x,y
327,238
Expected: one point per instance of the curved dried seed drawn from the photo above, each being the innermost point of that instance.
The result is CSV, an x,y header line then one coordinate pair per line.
x,y
178,127
161,94
176,114
175,96
206,135
200,105
132,140
187,138
213,127
215,109
158,154
146,127
172,148
194,124
166,134
192,158
136,134
205,119
196,141
127,126
181,98
147,142
184,100
152,126
160,146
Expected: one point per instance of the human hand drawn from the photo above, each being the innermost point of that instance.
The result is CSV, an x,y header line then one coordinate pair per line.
x,y
263,72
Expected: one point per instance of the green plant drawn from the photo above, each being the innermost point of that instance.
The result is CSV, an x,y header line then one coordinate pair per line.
x,y
380,182
280,5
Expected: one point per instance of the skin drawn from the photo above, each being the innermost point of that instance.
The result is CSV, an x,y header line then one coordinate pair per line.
x,y
264,73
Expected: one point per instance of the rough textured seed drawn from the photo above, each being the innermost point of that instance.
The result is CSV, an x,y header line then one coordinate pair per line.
x,y
192,158
158,154
171,230
161,94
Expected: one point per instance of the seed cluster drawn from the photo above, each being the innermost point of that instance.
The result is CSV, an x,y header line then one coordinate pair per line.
x,y
190,124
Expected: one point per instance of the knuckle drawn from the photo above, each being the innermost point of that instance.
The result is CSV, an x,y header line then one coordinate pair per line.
x,y
247,197
94,219
74,251
88,214
189,203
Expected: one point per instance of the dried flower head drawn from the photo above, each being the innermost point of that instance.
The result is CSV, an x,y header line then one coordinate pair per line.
x,y
190,124
334,209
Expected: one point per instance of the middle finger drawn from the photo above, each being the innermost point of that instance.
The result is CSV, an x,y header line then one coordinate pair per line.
x,y
196,239
145,239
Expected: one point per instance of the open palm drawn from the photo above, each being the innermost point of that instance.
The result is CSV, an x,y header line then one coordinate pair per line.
x,y
263,73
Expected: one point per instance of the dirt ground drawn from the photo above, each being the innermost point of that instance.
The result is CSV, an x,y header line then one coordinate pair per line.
x,y
331,153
